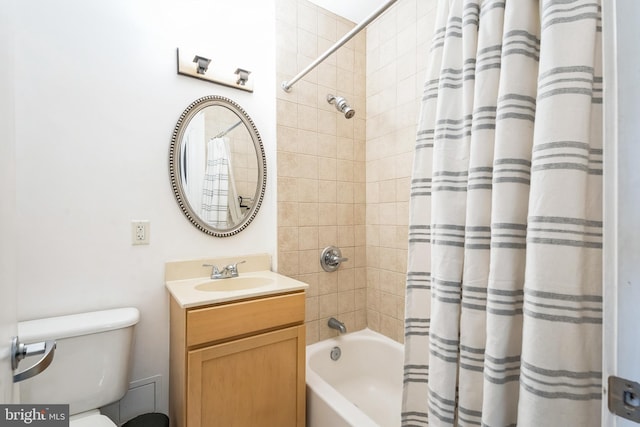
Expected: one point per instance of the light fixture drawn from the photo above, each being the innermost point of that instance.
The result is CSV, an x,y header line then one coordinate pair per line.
x,y
243,76
215,72
203,64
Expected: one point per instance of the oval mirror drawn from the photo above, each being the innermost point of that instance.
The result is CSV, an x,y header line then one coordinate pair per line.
x,y
217,166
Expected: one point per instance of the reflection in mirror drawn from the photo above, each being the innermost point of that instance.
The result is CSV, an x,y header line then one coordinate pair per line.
x,y
217,166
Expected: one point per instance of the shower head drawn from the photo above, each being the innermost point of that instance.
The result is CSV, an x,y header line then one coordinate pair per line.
x,y
341,105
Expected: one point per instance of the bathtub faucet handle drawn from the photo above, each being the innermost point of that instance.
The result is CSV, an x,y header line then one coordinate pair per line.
x,y
331,258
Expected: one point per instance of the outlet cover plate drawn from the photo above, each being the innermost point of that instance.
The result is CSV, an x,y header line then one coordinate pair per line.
x,y
140,232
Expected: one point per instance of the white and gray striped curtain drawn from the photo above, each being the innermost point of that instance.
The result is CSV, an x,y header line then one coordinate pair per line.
x,y
503,304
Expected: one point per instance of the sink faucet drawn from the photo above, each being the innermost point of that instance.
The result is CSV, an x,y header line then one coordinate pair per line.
x,y
227,272
338,325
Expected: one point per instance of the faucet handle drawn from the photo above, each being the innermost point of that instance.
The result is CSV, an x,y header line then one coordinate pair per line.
x,y
331,258
233,268
214,269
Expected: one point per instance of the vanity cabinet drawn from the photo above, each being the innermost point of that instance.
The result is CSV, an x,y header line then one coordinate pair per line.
x,y
240,363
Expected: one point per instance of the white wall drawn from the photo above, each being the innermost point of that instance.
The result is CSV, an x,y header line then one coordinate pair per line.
x,y
97,98
621,347
8,204
354,10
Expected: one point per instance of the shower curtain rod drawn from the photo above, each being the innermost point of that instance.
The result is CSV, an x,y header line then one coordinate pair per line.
x,y
224,132
286,86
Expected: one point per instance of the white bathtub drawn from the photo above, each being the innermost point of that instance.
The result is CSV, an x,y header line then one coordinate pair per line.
x,y
362,389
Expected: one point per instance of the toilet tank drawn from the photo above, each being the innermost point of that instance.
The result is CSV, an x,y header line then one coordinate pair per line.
x,y
91,364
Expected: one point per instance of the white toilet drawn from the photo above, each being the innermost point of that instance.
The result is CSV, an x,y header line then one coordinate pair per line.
x,y
91,364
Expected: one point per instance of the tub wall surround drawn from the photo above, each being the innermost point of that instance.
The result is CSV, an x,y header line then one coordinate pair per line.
x,y
321,164
93,124
397,51
346,182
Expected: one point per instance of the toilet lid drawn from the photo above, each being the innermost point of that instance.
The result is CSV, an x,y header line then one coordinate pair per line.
x,y
93,420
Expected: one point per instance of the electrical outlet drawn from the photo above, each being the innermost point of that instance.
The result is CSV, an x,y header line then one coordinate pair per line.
x,y
140,232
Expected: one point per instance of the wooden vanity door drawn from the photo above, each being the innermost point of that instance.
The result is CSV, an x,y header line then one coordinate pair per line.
x,y
251,382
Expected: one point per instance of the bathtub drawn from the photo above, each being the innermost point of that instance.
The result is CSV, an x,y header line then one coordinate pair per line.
x,y
363,388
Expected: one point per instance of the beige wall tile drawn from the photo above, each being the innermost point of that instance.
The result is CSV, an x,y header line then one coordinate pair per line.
x,y
287,239
360,235
346,182
307,43
345,128
327,27
344,192
327,77
307,214
312,280
288,263
344,214
307,93
308,238
307,118
288,213
307,190
327,146
388,191
346,236
287,164
328,305
327,236
309,261
327,283
345,148
327,121
327,214
327,191
346,302
313,335
360,299
327,168
344,170
307,142
311,308
308,17
287,139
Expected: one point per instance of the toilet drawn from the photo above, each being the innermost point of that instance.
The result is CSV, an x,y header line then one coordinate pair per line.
x,y
91,364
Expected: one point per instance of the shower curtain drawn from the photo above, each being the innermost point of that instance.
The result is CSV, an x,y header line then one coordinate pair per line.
x,y
220,206
503,300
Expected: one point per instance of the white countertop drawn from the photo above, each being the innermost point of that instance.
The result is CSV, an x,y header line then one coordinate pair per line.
x,y
187,296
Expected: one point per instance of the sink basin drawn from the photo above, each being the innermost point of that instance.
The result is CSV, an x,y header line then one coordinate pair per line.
x,y
233,284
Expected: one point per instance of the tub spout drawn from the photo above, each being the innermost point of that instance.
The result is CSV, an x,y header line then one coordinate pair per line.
x,y
338,325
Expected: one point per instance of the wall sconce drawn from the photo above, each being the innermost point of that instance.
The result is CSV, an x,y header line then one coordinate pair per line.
x,y
201,67
243,76
203,64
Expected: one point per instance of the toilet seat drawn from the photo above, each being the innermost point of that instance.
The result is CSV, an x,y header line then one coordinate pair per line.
x,y
90,419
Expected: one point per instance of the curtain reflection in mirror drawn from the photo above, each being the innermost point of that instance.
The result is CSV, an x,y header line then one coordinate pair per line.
x,y
207,174
220,205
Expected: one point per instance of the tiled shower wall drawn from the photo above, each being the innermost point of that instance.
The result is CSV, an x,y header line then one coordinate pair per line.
x,y
346,182
321,164
397,50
